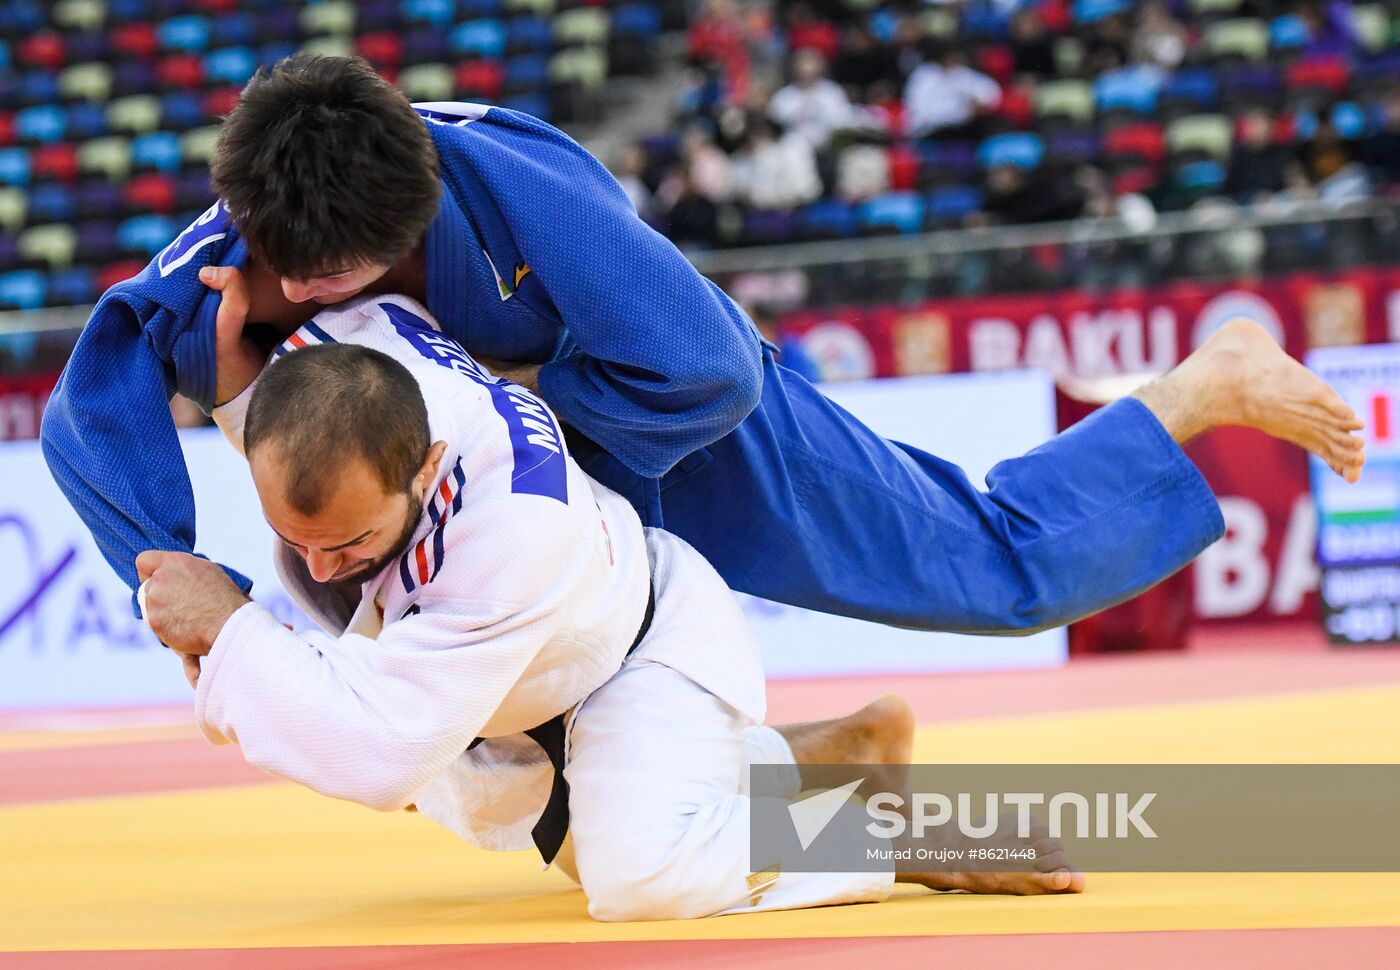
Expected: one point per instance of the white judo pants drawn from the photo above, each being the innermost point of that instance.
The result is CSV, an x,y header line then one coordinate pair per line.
x,y
657,772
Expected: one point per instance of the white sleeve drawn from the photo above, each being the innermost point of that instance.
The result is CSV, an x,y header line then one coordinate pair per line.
x,y
985,91
373,721
231,415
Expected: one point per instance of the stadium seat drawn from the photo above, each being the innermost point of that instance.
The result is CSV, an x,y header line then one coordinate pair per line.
x,y
181,110
1069,100
336,18
528,34
768,227
425,44
481,8
44,49
73,286
235,28
146,235
542,8
157,150
230,65
1132,145
903,168
939,23
79,15
987,22
52,244
180,72
1214,8
479,79
14,166
134,40
192,190
97,241
23,289
1376,74
948,206
531,104
113,273
150,193
529,73
1202,176
35,88
40,125
278,26
88,47
945,162
898,212
197,145
1141,178
189,33
1069,56
1326,76
135,113
383,49
14,207
1208,134
1243,38
57,162
1190,91
427,82
1074,146
440,13
1017,149
637,20
52,202
1249,85
96,197
90,81
85,120
329,46
110,156
1130,89
1372,24
582,25
1288,33
1349,118
133,77
7,128
485,38
586,66
826,219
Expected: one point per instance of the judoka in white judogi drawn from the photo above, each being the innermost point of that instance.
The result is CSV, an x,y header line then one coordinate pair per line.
x,y
525,584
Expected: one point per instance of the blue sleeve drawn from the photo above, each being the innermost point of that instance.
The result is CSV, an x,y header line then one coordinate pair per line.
x,y
111,443
662,361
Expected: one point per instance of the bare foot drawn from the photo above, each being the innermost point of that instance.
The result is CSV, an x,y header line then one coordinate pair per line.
x,y
880,733
1241,376
1050,872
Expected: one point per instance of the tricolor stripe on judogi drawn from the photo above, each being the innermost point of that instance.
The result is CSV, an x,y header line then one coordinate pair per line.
x,y
415,569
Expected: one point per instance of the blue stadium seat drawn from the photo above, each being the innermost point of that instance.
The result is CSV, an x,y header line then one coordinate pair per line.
x,y
36,88
946,161
133,77
4,56
1349,118
1193,87
1016,148
1088,11
482,8
983,22
526,73
1288,32
438,12
235,29
97,241
97,197
159,150
425,44
827,219
86,120
901,212
146,235
182,110
72,286
1074,146
486,38
529,34
23,289
52,202
14,166
949,205
1128,89
188,33
768,227
192,190
45,124
530,104
637,20
275,51
21,16
230,65
85,47
1207,175
1249,84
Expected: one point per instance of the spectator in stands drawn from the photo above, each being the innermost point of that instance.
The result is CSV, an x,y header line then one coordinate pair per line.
x,y
1108,43
945,97
691,218
862,173
776,170
1329,162
1033,48
1257,163
813,105
863,64
706,167
1014,195
807,31
1330,27
1159,38
631,173
1380,150
717,39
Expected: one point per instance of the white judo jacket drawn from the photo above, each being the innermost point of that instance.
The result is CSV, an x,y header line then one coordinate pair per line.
x,y
523,589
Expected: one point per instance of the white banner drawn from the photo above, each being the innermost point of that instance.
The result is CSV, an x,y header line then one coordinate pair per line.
x,y
68,637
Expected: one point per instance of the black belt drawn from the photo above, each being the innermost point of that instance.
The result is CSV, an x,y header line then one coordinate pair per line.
x,y
553,823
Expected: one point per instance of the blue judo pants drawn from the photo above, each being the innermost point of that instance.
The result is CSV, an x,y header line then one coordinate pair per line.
x,y
804,505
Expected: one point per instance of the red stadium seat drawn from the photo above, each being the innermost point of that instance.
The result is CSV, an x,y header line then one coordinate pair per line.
x,y
215,6
997,61
180,71
383,49
1142,141
114,273
59,162
45,49
1325,73
150,193
220,101
1135,180
136,40
7,128
1016,107
480,79
904,168
822,36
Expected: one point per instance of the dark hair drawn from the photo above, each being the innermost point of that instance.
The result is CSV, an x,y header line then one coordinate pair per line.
x,y
321,406
325,166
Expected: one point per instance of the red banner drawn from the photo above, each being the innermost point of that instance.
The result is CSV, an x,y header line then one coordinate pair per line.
x,y
22,401
1264,568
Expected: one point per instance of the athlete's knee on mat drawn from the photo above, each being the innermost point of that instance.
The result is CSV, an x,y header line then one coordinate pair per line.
x,y
635,885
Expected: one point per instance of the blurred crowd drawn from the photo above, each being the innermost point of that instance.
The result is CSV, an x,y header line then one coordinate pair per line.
x,y
827,118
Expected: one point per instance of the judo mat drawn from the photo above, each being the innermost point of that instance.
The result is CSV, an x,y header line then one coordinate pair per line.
x,y
128,841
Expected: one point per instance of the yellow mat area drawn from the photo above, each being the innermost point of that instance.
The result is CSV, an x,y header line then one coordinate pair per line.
x,y
273,865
